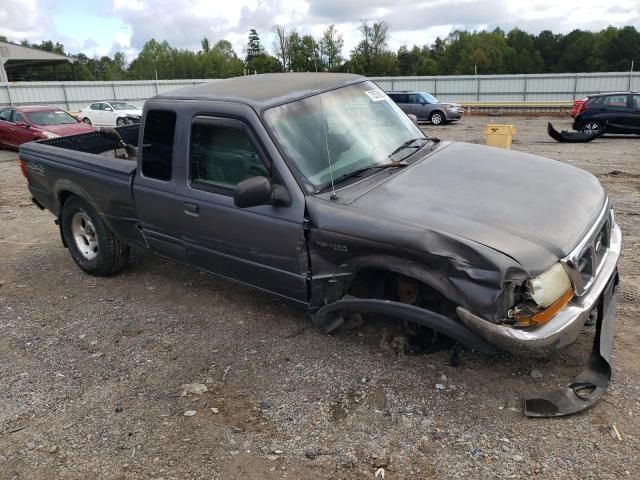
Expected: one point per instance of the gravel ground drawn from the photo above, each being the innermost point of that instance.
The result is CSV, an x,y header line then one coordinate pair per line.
x,y
91,369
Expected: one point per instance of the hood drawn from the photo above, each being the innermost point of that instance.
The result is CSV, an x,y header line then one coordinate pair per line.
x,y
532,209
130,112
66,129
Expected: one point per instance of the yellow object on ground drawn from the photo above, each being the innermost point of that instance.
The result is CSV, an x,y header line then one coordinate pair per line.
x,y
499,135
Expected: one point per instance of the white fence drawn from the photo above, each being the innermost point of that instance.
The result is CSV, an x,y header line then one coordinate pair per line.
x,y
75,95
464,89
515,88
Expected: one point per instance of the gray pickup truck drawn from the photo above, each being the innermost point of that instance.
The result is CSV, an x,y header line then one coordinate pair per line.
x,y
319,189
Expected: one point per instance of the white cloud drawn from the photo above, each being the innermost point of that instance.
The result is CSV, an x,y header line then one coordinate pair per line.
x,y
22,19
183,23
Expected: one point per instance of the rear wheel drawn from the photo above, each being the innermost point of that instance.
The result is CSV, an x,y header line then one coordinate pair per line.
x,y
93,247
86,120
437,118
591,127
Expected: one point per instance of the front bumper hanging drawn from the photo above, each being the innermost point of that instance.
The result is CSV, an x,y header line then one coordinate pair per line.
x,y
588,387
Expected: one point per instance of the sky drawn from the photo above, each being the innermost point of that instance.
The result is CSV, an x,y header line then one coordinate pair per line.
x,y
98,28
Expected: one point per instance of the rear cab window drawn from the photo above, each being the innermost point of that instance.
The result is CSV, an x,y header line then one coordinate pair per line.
x,y
157,144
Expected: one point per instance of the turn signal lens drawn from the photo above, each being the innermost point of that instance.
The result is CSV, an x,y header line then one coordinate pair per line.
x,y
545,315
23,168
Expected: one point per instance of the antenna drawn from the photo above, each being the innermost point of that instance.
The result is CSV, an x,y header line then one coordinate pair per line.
x,y
326,142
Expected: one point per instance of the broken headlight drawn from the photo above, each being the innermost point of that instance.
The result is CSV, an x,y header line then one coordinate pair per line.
x,y
542,297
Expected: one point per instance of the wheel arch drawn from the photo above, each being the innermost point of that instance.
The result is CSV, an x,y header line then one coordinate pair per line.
x,y
378,268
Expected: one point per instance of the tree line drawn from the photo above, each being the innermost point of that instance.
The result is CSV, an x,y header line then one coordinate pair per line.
x,y
460,53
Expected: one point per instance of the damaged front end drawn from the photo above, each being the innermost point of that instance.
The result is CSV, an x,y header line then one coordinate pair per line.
x,y
496,304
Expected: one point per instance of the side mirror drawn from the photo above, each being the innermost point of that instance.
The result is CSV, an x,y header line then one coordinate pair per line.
x,y
23,125
413,118
259,190
108,109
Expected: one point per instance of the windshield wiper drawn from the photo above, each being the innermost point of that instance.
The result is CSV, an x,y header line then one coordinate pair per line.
x,y
358,171
407,144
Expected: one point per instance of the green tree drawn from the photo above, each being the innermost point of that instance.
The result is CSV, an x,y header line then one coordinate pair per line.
x,y
254,47
331,46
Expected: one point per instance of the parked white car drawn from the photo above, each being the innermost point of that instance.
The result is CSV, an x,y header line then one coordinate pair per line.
x,y
110,114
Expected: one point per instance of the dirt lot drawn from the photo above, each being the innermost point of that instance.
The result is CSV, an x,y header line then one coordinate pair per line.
x,y
90,369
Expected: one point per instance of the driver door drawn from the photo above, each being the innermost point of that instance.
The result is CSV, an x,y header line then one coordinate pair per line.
x,y
262,246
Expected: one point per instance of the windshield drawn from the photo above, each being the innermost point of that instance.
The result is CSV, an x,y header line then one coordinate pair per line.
x,y
429,98
123,106
354,127
53,117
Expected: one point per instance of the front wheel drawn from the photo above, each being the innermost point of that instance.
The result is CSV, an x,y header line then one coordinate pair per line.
x,y
437,118
121,121
591,128
93,247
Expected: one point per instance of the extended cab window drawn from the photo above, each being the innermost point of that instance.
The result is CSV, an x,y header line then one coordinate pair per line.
x,y
6,115
222,156
157,144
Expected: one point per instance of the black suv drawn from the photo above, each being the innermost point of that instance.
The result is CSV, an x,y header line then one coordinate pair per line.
x,y
427,107
617,112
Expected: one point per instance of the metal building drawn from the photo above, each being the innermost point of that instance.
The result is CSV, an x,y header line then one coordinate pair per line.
x,y
14,56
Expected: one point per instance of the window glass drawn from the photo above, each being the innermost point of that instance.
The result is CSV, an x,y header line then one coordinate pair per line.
x,y
18,117
427,97
223,156
123,106
594,101
157,144
413,98
618,101
6,115
635,102
52,117
335,133
96,106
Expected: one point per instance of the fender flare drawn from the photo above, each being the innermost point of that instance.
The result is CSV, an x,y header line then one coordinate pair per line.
x,y
427,318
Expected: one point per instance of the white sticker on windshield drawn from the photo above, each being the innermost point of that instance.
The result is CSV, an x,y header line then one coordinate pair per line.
x,y
376,95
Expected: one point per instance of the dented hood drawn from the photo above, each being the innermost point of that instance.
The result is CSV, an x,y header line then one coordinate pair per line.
x,y
532,209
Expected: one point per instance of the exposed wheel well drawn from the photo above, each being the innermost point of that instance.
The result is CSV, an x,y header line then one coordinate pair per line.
x,y
63,196
389,285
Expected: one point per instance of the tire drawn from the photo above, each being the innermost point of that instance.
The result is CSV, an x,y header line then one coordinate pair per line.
x,y
86,120
437,118
93,247
121,121
591,127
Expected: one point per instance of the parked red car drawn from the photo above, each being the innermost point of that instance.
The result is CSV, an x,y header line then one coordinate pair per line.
x,y
577,107
24,124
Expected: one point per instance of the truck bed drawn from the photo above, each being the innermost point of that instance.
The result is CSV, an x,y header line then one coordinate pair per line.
x,y
78,165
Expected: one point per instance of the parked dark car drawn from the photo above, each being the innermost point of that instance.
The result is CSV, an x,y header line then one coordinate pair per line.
x,y
617,112
319,189
25,124
426,107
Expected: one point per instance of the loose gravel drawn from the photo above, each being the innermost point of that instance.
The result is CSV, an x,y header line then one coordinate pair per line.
x,y
99,376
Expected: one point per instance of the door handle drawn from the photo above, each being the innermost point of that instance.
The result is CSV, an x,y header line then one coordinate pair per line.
x,y
191,209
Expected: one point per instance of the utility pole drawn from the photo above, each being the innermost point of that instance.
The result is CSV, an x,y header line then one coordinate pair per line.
x,y
630,75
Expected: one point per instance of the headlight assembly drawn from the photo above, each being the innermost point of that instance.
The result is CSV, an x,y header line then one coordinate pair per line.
x,y
48,135
544,296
